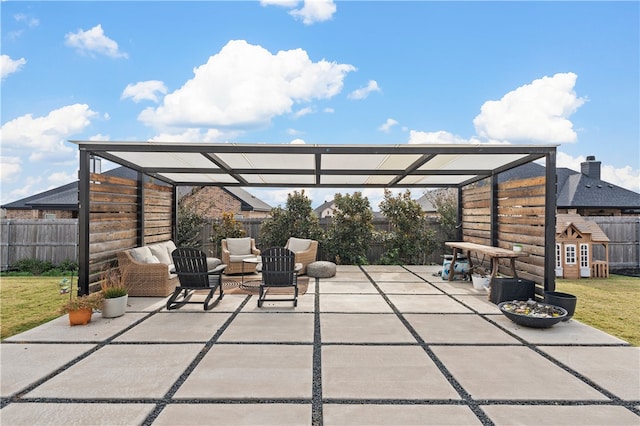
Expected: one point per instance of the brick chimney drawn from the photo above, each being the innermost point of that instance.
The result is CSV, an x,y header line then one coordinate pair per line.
x,y
591,167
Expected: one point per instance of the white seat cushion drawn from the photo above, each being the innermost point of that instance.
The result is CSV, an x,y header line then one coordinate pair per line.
x,y
239,246
141,254
160,251
239,257
298,244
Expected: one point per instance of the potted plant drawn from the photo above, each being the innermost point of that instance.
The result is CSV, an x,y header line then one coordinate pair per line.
x,y
480,277
114,292
81,308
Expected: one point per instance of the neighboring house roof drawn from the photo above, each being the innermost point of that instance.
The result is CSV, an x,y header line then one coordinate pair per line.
x,y
66,197
582,189
583,225
62,198
324,206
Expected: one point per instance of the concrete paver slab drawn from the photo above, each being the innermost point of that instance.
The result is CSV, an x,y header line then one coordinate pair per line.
x,y
95,414
479,303
419,303
510,373
235,415
125,372
408,288
584,415
353,303
400,372
306,303
405,277
563,333
251,371
176,326
346,276
422,269
457,287
620,374
270,327
394,415
437,328
356,287
145,304
59,330
364,328
229,303
23,364
384,268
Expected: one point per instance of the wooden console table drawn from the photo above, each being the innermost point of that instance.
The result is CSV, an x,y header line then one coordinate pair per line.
x,y
494,253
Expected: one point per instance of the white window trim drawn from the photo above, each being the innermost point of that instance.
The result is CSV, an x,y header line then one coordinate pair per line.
x,y
584,255
558,256
570,248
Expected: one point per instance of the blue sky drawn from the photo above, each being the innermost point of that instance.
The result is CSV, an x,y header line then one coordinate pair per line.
x,y
321,72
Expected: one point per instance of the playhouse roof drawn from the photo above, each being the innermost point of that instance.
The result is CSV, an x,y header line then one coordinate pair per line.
x,y
583,225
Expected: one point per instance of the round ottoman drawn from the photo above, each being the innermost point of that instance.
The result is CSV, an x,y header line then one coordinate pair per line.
x,y
321,269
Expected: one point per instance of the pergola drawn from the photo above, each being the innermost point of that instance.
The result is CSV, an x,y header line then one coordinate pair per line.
x,y
327,166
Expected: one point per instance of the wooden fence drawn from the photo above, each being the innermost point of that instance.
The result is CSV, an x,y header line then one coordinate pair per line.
x,y
624,242
53,240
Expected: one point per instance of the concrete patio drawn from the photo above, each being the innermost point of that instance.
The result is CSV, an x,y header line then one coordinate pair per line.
x,y
372,346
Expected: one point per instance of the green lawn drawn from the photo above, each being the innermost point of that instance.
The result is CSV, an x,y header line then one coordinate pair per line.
x,y
26,302
611,305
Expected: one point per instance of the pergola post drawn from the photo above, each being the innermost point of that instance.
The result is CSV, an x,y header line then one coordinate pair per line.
x,y
494,209
550,221
83,222
140,215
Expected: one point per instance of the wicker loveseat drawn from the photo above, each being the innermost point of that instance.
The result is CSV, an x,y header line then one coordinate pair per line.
x,y
305,250
146,270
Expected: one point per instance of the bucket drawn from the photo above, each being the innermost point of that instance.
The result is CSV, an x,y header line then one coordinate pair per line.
x,y
564,300
480,283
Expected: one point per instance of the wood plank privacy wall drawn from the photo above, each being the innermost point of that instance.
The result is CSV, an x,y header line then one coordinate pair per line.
x,y
520,219
115,213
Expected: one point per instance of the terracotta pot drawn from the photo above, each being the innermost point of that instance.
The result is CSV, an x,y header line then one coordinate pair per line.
x,y
80,317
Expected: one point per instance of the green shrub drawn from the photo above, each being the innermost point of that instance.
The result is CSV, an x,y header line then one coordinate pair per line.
x,y
33,266
351,230
296,220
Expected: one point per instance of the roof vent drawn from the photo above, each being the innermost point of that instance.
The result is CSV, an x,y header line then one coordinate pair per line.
x,y
591,158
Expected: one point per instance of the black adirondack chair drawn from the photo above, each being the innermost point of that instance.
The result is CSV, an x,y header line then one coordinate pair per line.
x,y
278,271
191,267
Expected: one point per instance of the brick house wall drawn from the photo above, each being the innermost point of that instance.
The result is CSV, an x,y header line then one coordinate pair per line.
x,y
39,214
211,202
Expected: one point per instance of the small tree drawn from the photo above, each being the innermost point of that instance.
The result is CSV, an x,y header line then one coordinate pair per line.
x,y
446,204
351,229
410,238
296,220
189,228
226,227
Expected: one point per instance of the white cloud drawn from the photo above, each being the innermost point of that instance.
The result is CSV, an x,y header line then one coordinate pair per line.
x,y
145,90
439,137
61,178
44,137
246,85
194,135
27,19
315,11
9,66
28,188
536,112
386,127
626,177
282,3
363,92
302,112
94,41
10,168
297,142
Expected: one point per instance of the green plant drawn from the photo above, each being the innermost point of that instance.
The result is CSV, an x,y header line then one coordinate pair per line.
x,y
297,219
189,228
111,283
410,240
88,301
33,266
225,227
446,203
351,230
